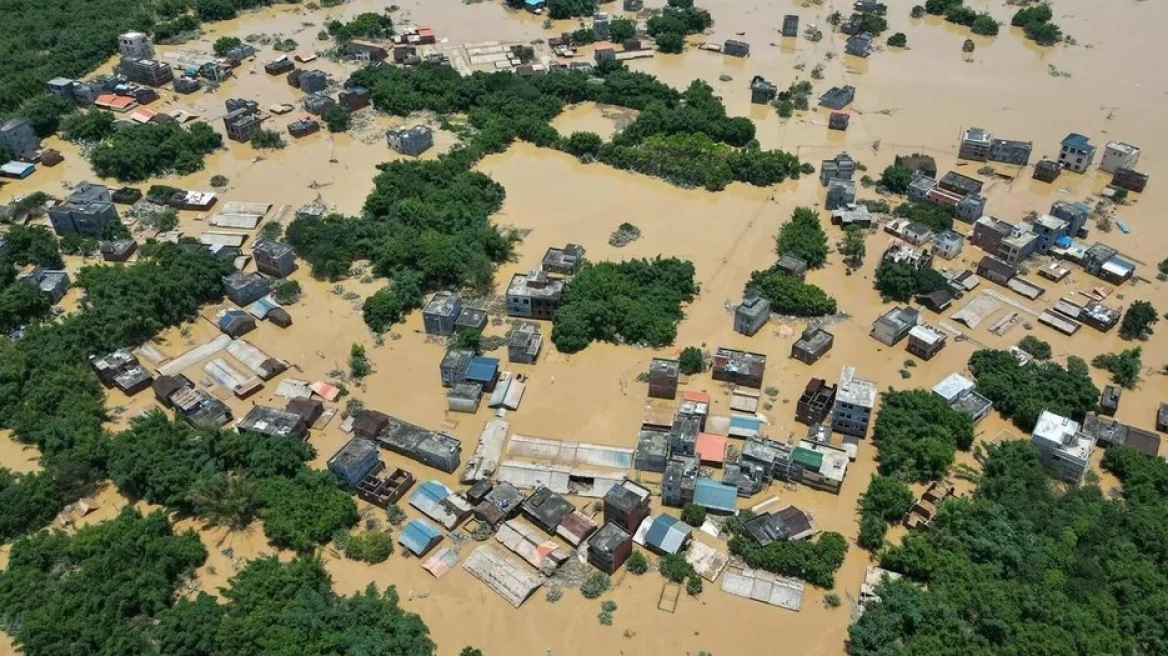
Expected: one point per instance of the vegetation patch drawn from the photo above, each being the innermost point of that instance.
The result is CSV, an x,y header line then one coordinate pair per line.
x,y
917,435
803,237
139,152
1022,392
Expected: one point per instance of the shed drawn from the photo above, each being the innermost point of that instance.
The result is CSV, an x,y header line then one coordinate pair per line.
x,y
664,534
508,578
419,536
236,323
715,496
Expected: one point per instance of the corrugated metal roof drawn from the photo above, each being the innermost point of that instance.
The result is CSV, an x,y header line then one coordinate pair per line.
x,y
667,534
712,494
807,457
482,369
441,562
418,536
428,495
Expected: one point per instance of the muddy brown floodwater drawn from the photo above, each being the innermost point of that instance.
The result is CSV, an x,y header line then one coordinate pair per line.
x,y
916,99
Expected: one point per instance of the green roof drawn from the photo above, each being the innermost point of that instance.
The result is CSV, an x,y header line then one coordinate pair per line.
x,y
808,458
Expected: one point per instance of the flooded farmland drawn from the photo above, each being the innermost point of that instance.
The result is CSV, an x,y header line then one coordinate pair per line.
x,y
912,100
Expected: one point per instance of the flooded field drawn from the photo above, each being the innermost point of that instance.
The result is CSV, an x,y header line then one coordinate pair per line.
x,y
915,100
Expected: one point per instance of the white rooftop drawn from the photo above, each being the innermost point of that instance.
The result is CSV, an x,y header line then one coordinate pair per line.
x,y
855,391
927,334
1123,147
953,386
1063,433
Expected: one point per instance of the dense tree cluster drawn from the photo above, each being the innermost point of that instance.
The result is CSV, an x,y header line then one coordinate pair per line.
x,y
896,177
917,434
1024,568
139,152
1040,349
388,305
936,216
681,18
791,296
635,301
886,500
1022,392
901,281
1035,22
692,361
1138,320
814,561
803,237
88,127
1124,366
871,23
368,25
561,9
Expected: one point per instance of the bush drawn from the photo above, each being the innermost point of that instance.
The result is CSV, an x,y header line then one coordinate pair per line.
x,y
901,281
224,44
961,15
813,561
267,140
674,567
337,119
637,564
693,514
898,40
693,585
595,585
1124,366
371,547
220,181
831,599
670,42
1039,13
896,178
872,531
395,515
1138,320
692,361
1036,347
583,144
941,7
359,366
791,296
917,12
287,292
984,25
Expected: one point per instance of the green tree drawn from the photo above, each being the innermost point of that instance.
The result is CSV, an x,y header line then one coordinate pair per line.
x,y
92,126
370,547
693,514
985,25
359,365
1138,320
961,15
901,281
287,292
674,567
637,564
303,512
224,44
1035,347
896,178
917,434
1022,392
898,40
670,42
791,296
224,500
803,237
337,119
139,152
941,7
215,10
693,585
595,585
1124,366
1037,13
872,532
852,247
887,498
267,140
621,30
692,361
44,113
813,561
470,651
583,144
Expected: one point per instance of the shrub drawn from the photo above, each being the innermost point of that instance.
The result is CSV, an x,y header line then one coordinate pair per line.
x,y
637,564
595,585
1036,347
984,25
693,585
371,547
287,292
674,567
395,515
898,40
691,361
1124,366
693,514
267,140
359,366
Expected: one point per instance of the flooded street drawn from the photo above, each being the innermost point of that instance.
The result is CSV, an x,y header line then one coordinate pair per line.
x,y
912,100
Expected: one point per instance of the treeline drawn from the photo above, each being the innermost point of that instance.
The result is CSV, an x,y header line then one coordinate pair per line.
x,y
917,435
20,301
814,561
1024,568
368,25
115,588
139,152
789,295
901,281
1035,22
1021,392
634,302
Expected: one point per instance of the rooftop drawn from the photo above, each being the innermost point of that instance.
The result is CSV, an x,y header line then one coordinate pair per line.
x,y
668,534
567,257
1123,147
663,367
855,391
832,462
927,334
443,304
270,421
1063,433
953,386
548,507
901,317
979,135
1076,140
535,284
627,496
741,362
815,341
609,538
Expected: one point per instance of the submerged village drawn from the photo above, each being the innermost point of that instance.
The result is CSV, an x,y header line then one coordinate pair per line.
x,y
489,303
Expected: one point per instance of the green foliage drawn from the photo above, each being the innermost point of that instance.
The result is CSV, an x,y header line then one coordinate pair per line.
x,y
961,15
872,532
305,511
215,10
901,281
388,305
918,11
595,585
937,217
92,591
1022,392
369,25
896,178
359,365
470,339
1124,366
92,126
267,140
670,29
395,515
674,567
583,36
1035,22
621,30
898,40
693,585
21,303
941,7
693,514
583,144
1038,13
635,301
871,23
1138,320
692,361
142,151
791,296
175,29
1036,347
224,499
162,220
35,245
637,564
561,9
985,548
470,651
670,43
337,119
371,547
886,498
985,25
852,247
803,237
917,434
812,561
224,44
44,113
287,292
831,599
265,609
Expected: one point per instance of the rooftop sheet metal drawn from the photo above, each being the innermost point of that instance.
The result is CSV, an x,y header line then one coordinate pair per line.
x,y
488,451
441,562
717,496
194,356
765,587
418,536
511,580
664,533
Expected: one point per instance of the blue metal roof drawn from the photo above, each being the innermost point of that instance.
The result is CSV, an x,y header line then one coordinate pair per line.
x,y
667,534
418,536
1075,140
430,491
743,421
482,370
230,316
715,496
534,3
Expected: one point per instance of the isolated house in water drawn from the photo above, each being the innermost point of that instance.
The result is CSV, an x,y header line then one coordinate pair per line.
x,y
663,375
412,142
752,314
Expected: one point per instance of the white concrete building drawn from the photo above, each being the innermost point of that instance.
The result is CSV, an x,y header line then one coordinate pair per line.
x,y
1063,449
1119,155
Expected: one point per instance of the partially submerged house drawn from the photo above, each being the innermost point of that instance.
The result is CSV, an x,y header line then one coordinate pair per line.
x,y
418,537
524,343
664,535
272,422
355,460
1062,448
627,505
854,400
790,523
925,341
961,394
812,344
815,402
609,548
564,261
534,295
412,142
739,367
894,325
752,314
663,377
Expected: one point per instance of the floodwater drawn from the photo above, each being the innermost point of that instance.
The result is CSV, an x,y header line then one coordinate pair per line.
x,y
913,100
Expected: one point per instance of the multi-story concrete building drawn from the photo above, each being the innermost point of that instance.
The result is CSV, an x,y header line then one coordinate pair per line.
x,y
1119,155
842,167
534,295
854,400
1009,151
752,314
840,193
18,137
412,142
245,288
1062,448
975,145
136,45
1048,230
736,48
761,91
1076,153
564,261
87,210
440,313
1020,245
1075,214
988,234
150,72
894,325
274,258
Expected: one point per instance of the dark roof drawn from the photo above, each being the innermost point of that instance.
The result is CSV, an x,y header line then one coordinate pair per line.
x,y
1075,140
625,499
547,507
308,409
995,266
369,423
609,538
168,385
1145,442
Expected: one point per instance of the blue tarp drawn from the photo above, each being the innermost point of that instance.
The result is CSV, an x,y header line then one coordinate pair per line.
x,y
716,496
418,536
482,370
1064,242
667,534
533,4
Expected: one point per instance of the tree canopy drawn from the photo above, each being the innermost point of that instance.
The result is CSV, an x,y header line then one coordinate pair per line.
x,y
139,152
901,281
1022,392
635,301
917,434
1138,320
803,237
791,296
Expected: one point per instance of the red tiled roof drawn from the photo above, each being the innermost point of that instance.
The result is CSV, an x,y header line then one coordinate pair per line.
x,y
696,397
710,448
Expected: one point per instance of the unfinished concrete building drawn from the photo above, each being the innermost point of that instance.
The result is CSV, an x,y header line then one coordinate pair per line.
x,y
663,376
739,367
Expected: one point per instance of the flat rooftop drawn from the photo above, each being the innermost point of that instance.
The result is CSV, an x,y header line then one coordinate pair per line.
x,y
855,391
535,284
